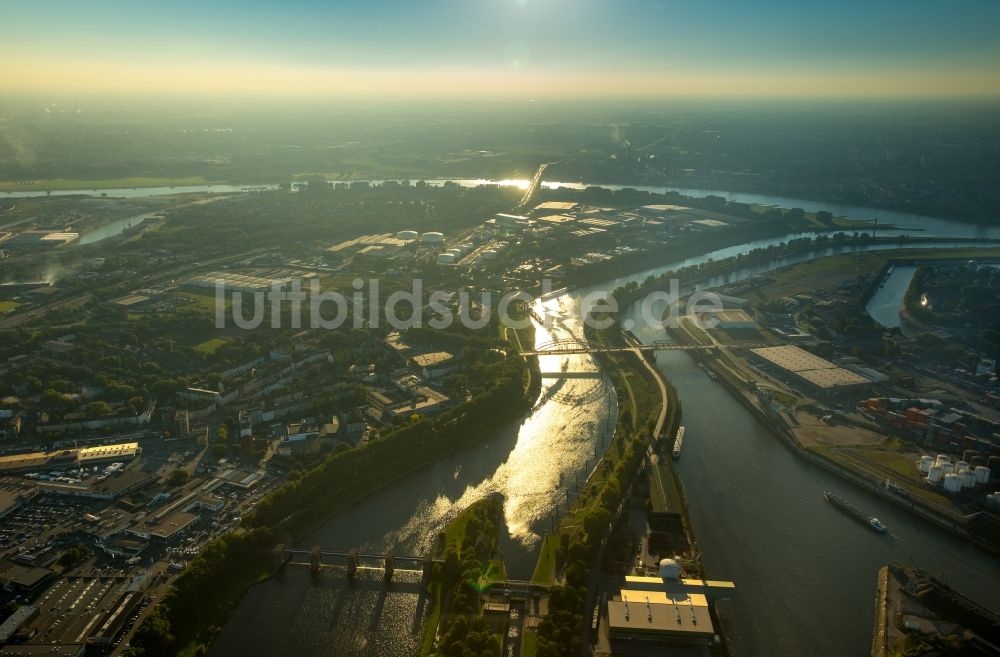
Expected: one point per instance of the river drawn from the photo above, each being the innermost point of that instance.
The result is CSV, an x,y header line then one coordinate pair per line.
x,y
535,465
805,574
904,222
885,304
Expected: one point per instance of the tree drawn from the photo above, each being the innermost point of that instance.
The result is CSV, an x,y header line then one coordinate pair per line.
x,y
73,556
98,409
153,638
179,477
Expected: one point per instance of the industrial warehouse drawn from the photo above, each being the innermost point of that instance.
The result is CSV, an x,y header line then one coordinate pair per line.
x,y
818,375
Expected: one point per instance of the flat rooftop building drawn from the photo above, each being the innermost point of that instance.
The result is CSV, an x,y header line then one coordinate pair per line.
x,y
19,577
661,617
62,458
21,615
665,610
556,206
732,319
167,529
817,372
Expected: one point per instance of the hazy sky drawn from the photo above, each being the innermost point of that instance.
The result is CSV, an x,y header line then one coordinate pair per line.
x,y
521,48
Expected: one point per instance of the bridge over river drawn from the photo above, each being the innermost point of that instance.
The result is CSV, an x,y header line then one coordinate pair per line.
x,y
578,346
317,558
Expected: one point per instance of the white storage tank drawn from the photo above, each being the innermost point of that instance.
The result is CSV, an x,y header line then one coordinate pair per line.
x,y
948,468
943,458
960,465
432,238
968,478
489,254
982,474
446,259
952,483
670,569
934,474
407,235
925,463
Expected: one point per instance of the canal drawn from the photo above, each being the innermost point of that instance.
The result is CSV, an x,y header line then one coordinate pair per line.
x,y
805,573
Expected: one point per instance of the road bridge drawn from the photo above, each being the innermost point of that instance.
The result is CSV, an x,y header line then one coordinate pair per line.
x,y
353,559
570,346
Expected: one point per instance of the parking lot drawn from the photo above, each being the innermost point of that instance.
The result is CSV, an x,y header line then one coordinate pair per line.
x,y
28,531
72,607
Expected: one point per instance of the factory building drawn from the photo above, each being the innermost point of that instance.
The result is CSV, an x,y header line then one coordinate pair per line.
x,y
817,375
235,282
732,320
549,207
665,610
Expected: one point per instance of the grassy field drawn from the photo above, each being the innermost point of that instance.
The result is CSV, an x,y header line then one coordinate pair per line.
x,y
899,467
545,569
209,346
807,277
820,273
7,306
529,644
108,183
205,300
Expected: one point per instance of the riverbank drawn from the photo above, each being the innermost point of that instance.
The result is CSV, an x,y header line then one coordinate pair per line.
x,y
696,274
744,391
467,549
916,614
649,414
333,484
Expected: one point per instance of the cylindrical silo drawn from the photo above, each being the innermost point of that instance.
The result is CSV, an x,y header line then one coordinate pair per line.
x,y
934,474
968,478
960,465
982,474
952,483
994,465
947,468
407,235
942,458
925,463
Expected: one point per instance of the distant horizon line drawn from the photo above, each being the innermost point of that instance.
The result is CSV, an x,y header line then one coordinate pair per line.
x,y
57,95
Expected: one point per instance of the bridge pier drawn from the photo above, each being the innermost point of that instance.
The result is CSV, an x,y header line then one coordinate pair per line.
x,y
390,565
352,563
425,577
315,560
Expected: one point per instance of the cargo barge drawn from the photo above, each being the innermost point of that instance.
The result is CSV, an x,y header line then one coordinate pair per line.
x,y
871,522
